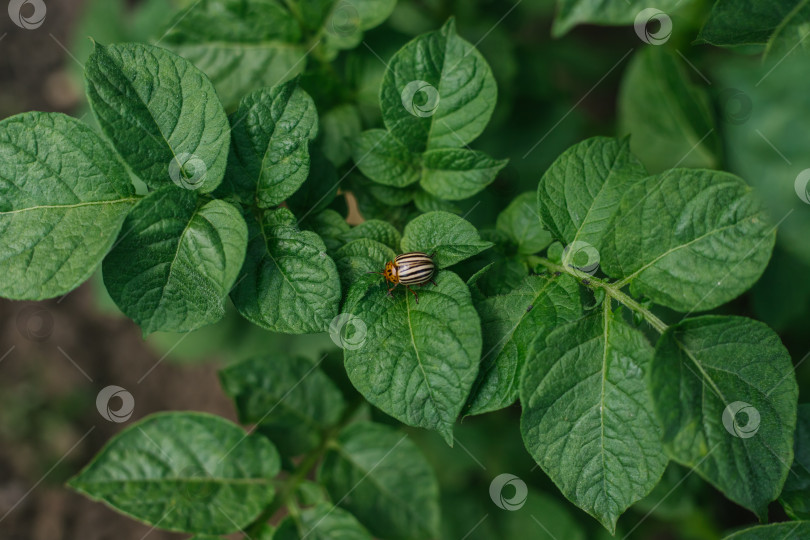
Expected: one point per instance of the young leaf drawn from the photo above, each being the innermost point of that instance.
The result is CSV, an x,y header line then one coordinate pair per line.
x,y
321,522
375,229
425,202
161,113
153,473
381,157
775,531
176,261
724,390
570,13
587,417
289,399
59,217
521,224
458,173
291,284
579,194
359,257
438,92
795,497
510,323
689,239
656,86
381,477
418,361
330,226
451,237
240,44
271,133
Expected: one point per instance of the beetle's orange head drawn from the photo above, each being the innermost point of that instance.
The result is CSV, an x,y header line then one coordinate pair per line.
x,y
391,273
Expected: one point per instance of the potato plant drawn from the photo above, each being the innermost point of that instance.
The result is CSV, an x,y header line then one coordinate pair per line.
x,y
594,303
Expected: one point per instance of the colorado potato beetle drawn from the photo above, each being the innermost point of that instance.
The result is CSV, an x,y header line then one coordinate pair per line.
x,y
414,268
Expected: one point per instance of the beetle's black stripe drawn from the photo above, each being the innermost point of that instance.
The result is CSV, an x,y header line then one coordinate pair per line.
x,y
413,257
414,278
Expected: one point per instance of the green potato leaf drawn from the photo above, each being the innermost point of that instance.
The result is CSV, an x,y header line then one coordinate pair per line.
x,y
381,157
269,157
458,173
521,224
452,238
724,391
61,216
418,361
161,113
291,285
187,472
587,416
795,497
795,530
689,239
176,261
438,92
570,13
579,195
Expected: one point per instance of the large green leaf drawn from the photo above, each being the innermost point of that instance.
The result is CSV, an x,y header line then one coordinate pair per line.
x,y
321,522
161,113
418,360
452,238
241,45
291,285
289,399
587,417
690,239
510,323
379,475
188,472
63,197
796,530
521,224
573,12
669,119
795,496
725,392
176,261
438,91
269,157
579,194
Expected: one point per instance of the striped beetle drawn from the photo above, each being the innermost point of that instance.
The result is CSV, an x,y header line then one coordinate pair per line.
x,y
414,268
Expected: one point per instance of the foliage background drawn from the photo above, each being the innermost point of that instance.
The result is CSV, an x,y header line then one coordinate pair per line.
x,y
546,86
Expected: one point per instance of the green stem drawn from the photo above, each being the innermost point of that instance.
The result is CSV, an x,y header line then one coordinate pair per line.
x,y
611,289
303,470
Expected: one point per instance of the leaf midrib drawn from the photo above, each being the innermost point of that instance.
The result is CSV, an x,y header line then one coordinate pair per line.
x,y
69,206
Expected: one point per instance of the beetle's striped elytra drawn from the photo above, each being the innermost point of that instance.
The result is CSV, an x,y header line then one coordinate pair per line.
x,y
414,268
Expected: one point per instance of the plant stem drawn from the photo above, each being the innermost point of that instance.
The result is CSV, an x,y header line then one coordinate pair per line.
x,y
610,289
